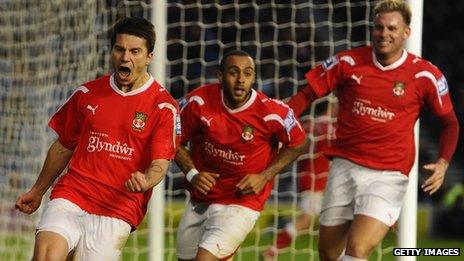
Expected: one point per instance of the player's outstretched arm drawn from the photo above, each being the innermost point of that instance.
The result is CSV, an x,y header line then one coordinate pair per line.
x,y
141,182
448,141
57,158
302,100
252,184
201,181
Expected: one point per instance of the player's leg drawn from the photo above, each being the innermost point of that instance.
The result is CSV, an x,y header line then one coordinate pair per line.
x,y
333,236
310,206
225,229
377,207
337,210
190,230
365,234
50,246
103,238
303,221
205,255
286,236
58,231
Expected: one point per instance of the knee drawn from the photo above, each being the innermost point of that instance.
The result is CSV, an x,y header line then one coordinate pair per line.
x,y
359,250
329,254
304,221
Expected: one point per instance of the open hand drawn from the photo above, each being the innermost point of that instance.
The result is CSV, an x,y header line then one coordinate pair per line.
x,y
434,182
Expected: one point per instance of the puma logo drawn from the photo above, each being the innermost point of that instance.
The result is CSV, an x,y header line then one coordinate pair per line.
x,y
92,109
356,78
208,122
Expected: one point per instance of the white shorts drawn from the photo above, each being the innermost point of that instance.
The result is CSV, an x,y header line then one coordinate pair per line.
x,y
310,202
92,237
220,229
356,190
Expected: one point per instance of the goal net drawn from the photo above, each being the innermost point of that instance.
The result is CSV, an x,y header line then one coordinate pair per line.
x,y
48,48
286,38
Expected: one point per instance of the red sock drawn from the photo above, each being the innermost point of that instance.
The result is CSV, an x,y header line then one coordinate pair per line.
x,y
283,239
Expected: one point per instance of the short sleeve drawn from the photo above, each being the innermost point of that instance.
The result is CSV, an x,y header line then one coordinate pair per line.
x,y
325,77
295,134
435,92
166,132
67,122
190,118
284,125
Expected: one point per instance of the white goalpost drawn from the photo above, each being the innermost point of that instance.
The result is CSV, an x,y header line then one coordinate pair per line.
x,y
407,223
48,48
156,217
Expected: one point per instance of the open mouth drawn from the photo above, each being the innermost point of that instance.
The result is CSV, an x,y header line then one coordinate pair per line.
x,y
124,72
239,91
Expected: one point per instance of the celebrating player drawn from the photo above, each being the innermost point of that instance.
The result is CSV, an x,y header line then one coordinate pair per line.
x,y
312,173
381,90
234,132
118,133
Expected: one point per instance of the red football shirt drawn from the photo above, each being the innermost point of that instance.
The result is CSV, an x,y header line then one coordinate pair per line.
x,y
379,105
234,143
113,134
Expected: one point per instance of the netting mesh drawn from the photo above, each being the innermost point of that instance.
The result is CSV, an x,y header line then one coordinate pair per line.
x,y
48,48
286,38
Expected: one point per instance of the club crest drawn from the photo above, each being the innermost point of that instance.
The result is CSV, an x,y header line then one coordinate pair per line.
x,y
247,133
398,89
138,124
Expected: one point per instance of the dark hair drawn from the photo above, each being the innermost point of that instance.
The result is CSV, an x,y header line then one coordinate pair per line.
x,y
136,26
222,65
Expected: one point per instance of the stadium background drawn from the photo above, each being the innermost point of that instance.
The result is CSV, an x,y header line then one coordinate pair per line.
x,y
24,68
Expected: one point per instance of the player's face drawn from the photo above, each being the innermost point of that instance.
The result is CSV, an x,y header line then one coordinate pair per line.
x,y
130,60
237,79
389,36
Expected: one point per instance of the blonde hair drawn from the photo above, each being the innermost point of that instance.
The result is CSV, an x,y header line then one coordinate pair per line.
x,y
386,6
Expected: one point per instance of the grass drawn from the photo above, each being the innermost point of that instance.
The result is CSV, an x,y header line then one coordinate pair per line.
x,y
12,245
19,246
305,247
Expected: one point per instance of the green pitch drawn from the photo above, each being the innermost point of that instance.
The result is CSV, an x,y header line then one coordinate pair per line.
x,y
19,246
305,247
